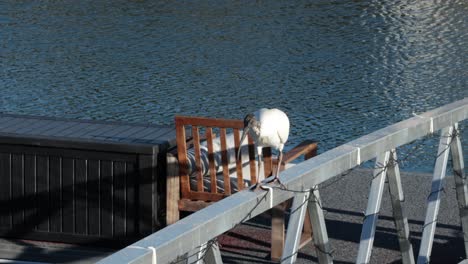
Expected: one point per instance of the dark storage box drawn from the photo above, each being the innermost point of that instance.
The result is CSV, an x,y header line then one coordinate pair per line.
x,y
78,181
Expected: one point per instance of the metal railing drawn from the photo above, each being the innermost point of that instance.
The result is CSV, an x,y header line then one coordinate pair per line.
x,y
196,232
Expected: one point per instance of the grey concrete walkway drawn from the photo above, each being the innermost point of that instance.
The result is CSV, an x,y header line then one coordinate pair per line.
x,y
344,202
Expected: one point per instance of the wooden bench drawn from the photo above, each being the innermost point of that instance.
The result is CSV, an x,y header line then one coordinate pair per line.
x,y
205,169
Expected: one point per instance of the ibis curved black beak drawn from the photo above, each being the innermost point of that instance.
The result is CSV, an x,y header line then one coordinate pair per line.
x,y
244,135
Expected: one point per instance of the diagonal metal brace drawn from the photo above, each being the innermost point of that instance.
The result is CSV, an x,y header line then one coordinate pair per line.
x,y
397,198
433,200
460,184
317,220
373,207
294,232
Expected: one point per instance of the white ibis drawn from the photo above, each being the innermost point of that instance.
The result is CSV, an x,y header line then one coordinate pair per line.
x,y
268,128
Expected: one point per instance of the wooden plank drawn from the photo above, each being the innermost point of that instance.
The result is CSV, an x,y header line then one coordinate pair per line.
x,y
82,127
142,133
192,205
146,200
253,166
306,147
5,190
119,198
68,194
211,122
85,131
237,145
277,231
131,199
5,121
81,207
33,127
128,134
93,185
110,132
101,129
20,123
119,129
225,162
70,153
53,131
198,163
30,191
167,138
106,129
156,133
213,197
106,196
307,230
50,125
43,192
55,185
173,190
75,126
182,156
211,160
17,184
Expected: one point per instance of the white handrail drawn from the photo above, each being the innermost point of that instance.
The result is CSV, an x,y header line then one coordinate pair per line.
x,y
206,224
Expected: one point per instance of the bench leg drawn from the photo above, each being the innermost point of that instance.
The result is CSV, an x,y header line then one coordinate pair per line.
x,y
173,190
277,231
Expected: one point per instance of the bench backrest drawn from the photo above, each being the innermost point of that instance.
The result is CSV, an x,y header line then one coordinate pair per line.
x,y
213,137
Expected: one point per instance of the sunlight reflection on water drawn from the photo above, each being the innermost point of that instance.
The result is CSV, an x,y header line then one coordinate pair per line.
x,y
340,69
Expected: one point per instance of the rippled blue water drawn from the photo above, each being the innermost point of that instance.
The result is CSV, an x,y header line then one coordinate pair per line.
x,y
340,69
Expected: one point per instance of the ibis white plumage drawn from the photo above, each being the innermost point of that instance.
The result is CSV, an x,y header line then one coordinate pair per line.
x,y
268,128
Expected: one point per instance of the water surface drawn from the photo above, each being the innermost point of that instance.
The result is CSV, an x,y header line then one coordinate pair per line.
x,y
340,69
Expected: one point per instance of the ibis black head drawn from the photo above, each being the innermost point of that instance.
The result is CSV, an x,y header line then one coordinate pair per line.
x,y
248,123
248,119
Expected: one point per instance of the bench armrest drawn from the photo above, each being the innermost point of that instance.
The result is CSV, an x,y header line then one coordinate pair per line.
x,y
308,148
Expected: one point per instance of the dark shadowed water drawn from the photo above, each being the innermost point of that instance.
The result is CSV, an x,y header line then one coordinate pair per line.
x,y
340,69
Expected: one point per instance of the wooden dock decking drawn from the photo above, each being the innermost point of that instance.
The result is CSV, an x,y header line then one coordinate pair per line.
x,y
81,181
113,136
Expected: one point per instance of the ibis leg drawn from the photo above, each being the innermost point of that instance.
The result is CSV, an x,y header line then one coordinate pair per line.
x,y
278,167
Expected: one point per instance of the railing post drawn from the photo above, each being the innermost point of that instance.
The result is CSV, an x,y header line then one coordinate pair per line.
x,y
373,207
317,220
197,254
460,184
213,255
397,198
207,253
294,231
433,200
